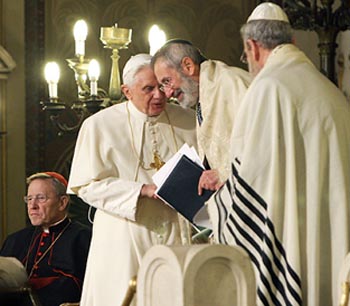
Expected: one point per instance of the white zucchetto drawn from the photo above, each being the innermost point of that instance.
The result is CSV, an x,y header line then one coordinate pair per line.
x,y
133,65
268,11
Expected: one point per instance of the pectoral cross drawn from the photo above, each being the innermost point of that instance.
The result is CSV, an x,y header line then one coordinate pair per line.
x,y
157,162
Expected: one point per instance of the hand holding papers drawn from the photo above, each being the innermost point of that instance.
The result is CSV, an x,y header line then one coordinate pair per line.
x,y
177,183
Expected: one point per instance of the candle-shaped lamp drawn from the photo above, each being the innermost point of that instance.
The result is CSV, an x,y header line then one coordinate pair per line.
x,y
80,32
156,38
52,75
94,74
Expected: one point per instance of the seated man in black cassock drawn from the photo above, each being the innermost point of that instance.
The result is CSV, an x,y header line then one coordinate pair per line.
x,y
54,249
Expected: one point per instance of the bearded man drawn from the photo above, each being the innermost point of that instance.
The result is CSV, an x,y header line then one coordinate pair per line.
x,y
216,90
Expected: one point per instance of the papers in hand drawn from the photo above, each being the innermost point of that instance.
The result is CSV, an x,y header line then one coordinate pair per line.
x,y
177,185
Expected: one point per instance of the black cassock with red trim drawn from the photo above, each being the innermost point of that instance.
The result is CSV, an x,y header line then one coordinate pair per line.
x,y
55,260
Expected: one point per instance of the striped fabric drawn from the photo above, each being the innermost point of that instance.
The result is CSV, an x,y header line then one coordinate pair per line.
x,y
199,114
248,225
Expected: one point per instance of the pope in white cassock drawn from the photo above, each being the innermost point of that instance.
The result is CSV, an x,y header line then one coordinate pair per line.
x,y
287,202
117,152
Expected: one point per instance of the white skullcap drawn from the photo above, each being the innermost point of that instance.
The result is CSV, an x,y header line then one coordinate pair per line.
x,y
268,11
133,65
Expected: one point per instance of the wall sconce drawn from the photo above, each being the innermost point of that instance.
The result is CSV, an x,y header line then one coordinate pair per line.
x,y
90,98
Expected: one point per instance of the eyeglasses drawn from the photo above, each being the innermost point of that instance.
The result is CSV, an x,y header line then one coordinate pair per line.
x,y
166,84
243,58
41,198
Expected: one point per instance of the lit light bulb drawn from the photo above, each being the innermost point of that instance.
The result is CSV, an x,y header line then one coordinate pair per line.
x,y
52,75
94,74
156,38
80,33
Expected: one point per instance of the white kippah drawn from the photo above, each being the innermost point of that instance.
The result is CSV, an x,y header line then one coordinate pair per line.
x,y
268,11
133,65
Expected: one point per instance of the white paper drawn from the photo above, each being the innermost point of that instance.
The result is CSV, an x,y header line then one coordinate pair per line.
x,y
161,175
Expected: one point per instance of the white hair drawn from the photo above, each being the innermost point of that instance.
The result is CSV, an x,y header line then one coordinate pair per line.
x,y
133,66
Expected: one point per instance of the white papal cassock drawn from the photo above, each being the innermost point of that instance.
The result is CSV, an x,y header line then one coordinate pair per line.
x,y
288,199
106,173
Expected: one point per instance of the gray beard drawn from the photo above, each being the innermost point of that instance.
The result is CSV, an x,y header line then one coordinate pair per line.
x,y
190,89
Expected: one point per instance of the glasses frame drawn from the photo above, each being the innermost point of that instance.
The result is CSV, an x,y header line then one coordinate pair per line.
x,y
243,57
166,84
41,198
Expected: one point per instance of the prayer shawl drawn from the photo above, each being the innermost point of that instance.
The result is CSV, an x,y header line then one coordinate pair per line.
x,y
106,173
221,90
288,198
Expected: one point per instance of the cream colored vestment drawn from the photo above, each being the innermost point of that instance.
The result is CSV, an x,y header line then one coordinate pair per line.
x,y
106,173
287,201
222,89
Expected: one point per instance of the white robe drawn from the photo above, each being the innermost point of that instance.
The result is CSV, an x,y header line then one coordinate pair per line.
x,y
288,199
106,173
221,90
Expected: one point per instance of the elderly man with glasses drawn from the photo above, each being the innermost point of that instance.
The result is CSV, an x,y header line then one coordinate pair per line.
x,y
287,200
216,90
54,249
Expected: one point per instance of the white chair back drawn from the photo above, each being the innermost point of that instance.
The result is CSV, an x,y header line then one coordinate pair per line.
x,y
203,275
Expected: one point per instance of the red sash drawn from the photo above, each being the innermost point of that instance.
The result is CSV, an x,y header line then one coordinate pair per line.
x,y
41,282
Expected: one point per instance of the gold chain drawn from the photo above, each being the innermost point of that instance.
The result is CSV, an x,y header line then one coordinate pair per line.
x,y
47,250
157,161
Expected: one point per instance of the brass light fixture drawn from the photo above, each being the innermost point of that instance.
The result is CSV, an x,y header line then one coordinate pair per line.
x,y
90,98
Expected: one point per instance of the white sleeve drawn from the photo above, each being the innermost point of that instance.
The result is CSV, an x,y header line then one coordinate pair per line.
x,y
113,195
95,175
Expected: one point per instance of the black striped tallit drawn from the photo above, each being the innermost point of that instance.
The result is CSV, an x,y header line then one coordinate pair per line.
x,y
243,218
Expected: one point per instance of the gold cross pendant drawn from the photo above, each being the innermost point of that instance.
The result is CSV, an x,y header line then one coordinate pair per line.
x,y
157,162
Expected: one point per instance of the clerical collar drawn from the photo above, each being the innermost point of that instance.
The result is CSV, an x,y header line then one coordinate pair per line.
x,y
56,227
140,115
